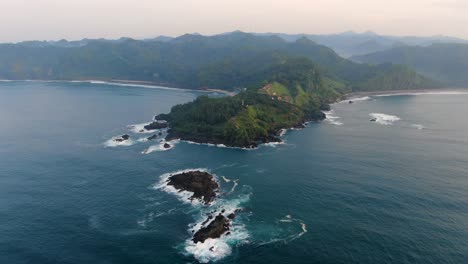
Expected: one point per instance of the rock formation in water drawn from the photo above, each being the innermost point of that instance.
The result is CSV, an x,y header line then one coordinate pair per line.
x,y
215,229
122,138
202,184
156,125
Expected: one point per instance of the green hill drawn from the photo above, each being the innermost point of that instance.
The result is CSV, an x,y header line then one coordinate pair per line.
x,y
295,93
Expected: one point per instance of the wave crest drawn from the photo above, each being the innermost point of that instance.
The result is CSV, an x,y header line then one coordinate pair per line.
x,y
384,119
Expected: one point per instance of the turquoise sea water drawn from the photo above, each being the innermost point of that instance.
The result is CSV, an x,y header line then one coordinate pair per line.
x,y
342,191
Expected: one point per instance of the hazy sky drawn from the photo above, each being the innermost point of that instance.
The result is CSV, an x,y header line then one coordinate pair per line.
x,y
76,19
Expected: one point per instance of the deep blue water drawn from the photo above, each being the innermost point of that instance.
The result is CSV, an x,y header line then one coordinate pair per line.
x,y
365,192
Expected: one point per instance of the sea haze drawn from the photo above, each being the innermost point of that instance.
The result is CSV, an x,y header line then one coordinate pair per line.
x,y
345,190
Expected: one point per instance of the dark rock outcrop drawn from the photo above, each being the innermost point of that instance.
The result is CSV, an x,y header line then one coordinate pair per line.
x,y
152,137
156,125
373,119
202,184
215,229
351,102
166,145
122,138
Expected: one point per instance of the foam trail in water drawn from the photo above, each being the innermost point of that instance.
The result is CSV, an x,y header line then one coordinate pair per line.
x,y
226,179
160,147
236,182
384,119
288,219
151,216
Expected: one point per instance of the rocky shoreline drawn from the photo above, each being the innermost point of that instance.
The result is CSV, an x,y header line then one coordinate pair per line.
x,y
273,137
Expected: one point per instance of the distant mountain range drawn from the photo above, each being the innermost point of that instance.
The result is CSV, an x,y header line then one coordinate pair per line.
x,y
349,43
346,44
446,62
223,61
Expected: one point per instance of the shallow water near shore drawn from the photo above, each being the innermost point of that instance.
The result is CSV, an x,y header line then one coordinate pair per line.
x,y
341,191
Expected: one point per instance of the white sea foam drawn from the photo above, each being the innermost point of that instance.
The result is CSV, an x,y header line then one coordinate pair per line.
x,y
160,146
358,99
384,119
273,144
111,143
332,118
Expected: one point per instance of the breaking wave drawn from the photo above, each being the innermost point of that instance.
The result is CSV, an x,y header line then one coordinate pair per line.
x,y
332,118
384,119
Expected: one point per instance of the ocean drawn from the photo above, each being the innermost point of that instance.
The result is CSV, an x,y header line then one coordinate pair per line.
x,y
345,190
